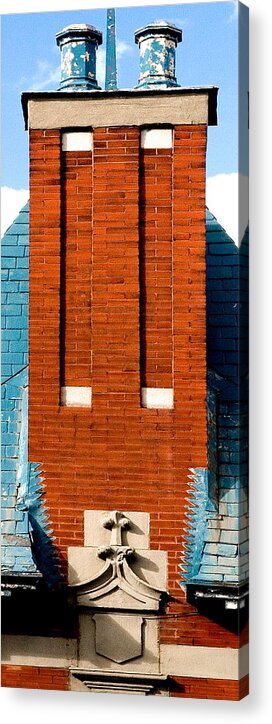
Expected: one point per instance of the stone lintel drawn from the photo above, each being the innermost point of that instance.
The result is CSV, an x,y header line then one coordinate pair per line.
x,y
206,662
42,651
120,108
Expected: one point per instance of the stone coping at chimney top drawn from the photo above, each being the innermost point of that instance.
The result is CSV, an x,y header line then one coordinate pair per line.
x,y
52,109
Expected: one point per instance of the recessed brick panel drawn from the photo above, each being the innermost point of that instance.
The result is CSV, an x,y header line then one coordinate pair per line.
x,y
115,267
76,269
44,297
156,262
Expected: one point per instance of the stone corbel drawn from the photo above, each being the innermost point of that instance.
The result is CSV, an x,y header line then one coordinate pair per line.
x,y
126,581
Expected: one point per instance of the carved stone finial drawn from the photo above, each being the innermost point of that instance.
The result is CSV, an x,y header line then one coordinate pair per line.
x,y
125,580
104,552
108,522
116,522
118,553
124,523
125,553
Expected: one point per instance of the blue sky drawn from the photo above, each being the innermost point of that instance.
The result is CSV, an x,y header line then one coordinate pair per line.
x,y
208,55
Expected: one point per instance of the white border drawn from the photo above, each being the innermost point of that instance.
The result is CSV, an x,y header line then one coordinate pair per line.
x,y
23,705
30,6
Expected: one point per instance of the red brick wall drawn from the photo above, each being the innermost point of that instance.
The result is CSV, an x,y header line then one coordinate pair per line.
x,y
115,316
117,454
44,296
76,268
209,688
34,677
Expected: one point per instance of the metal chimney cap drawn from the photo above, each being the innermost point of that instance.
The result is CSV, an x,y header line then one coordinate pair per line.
x,y
79,30
159,27
78,45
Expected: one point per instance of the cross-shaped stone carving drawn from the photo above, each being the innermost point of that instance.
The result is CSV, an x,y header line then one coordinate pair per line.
x,y
116,522
118,584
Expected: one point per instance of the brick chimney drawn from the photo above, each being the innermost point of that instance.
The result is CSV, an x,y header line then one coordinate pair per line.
x,y
118,391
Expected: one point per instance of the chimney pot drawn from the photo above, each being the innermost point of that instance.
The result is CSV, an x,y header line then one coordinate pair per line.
x,y
157,43
78,45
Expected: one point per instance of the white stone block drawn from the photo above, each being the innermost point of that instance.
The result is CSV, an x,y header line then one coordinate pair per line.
x,y
157,138
76,396
204,661
44,651
136,535
77,141
157,397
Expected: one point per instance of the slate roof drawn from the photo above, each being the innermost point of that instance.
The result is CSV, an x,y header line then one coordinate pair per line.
x,y
217,544
16,549
26,544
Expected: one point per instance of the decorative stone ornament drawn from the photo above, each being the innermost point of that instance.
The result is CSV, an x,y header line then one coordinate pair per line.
x,y
113,683
136,534
78,45
115,585
118,637
157,43
115,579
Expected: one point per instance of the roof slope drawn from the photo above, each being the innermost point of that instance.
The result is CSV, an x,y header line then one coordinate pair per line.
x,y
217,542
24,519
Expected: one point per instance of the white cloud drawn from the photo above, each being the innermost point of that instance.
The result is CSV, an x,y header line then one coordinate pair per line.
x,y
223,193
100,66
121,48
180,21
234,13
47,76
12,200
